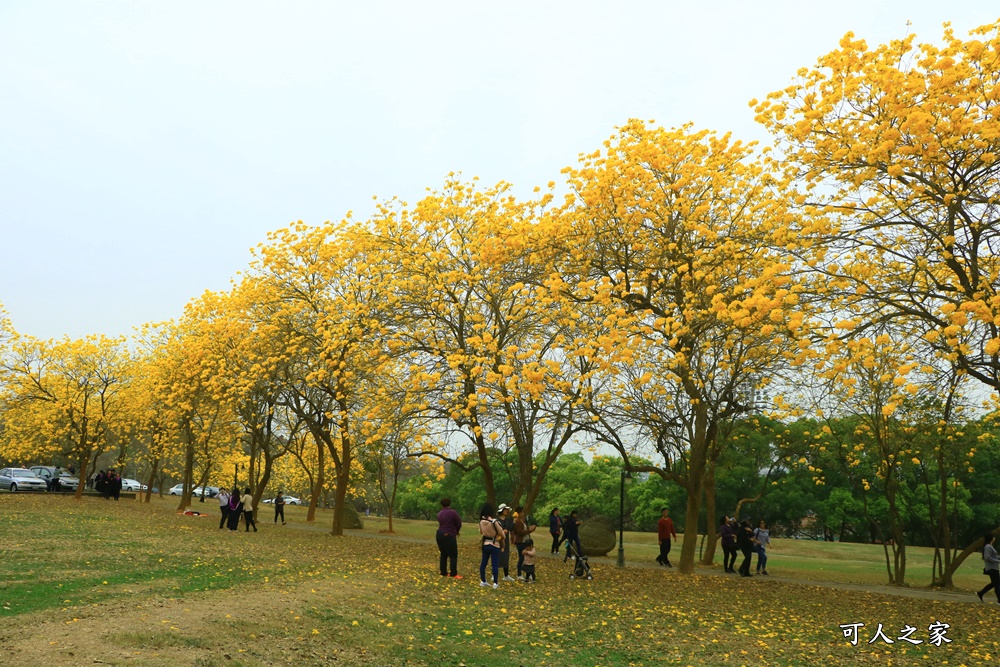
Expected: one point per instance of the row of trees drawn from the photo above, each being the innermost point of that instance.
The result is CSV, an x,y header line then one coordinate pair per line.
x,y
847,273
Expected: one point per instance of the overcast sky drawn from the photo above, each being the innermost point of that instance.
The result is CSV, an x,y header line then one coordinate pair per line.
x,y
145,147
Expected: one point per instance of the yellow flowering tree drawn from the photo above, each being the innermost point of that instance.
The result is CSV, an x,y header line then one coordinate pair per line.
x,y
897,146
62,398
679,237
494,352
330,304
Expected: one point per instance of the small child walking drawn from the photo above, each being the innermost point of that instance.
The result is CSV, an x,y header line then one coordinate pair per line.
x,y
529,561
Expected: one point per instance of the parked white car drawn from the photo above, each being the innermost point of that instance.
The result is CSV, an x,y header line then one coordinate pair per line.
x,y
178,489
20,479
289,500
132,485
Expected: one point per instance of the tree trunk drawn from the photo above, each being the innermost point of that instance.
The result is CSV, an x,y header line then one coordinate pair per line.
x,y
343,462
188,469
711,537
152,480
488,482
703,435
265,477
340,497
960,558
319,482
84,458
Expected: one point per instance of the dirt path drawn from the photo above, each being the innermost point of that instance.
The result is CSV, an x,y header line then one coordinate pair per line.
x,y
207,629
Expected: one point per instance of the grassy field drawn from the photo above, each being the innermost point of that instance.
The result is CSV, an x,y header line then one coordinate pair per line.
x,y
124,583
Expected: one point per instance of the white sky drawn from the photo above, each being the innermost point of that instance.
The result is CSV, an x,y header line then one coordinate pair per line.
x,y
146,146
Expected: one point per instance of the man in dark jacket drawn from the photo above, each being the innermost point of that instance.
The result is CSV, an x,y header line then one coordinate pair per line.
x,y
449,525
728,540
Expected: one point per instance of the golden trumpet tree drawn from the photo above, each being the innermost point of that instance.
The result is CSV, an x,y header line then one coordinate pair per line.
x,y
875,380
494,351
678,236
898,146
331,306
61,398
147,410
197,411
248,354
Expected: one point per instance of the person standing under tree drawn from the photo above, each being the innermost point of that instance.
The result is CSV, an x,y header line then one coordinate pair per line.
x,y
728,539
493,539
223,499
744,540
664,529
233,520
503,514
279,507
761,537
522,533
449,525
247,501
555,528
571,535
991,567
529,561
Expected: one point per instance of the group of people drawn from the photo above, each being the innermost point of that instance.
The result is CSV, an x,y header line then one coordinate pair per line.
x,y
108,484
740,536
233,505
502,528
499,530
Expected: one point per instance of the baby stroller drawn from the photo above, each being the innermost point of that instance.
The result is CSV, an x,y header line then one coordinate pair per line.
x,y
581,568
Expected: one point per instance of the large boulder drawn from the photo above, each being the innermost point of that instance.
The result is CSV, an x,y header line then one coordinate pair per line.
x,y
350,518
597,536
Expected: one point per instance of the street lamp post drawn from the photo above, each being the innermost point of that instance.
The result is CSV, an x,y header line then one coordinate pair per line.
x,y
626,475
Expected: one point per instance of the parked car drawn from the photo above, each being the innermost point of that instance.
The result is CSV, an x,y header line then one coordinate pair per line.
x,y
57,479
21,479
289,500
132,485
178,489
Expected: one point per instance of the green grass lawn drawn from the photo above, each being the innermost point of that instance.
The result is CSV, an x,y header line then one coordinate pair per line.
x,y
809,560
126,583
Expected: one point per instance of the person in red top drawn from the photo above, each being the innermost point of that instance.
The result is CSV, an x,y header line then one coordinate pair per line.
x,y
665,529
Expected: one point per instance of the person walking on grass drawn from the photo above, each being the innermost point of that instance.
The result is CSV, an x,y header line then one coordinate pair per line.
x,y
279,508
529,554
664,529
761,538
233,520
503,514
571,535
728,539
449,525
991,567
223,499
493,539
744,541
247,501
555,528
522,533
